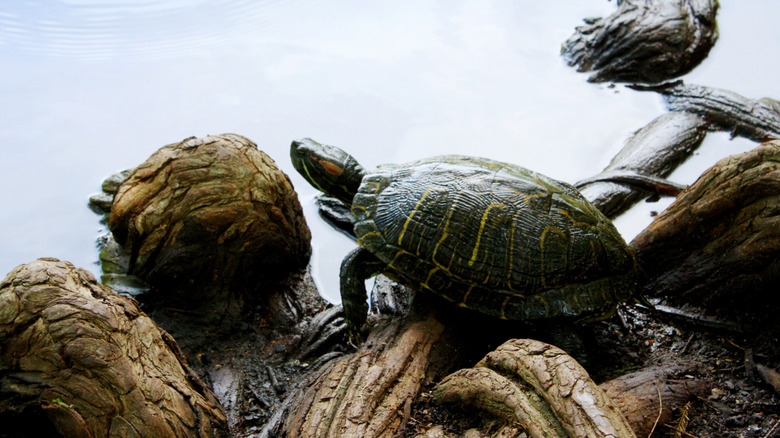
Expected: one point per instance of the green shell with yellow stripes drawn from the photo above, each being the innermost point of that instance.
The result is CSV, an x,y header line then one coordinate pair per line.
x,y
494,237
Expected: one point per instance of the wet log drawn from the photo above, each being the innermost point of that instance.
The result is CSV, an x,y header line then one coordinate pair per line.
x,y
656,150
755,119
644,41
649,397
78,360
717,245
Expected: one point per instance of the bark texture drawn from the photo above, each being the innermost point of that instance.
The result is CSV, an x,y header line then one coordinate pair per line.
x,y
718,243
540,387
756,119
78,360
208,220
369,393
637,394
656,149
646,41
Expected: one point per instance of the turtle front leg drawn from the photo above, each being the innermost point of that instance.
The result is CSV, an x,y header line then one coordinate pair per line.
x,y
357,266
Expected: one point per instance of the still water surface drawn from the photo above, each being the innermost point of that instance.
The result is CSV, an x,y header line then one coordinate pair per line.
x,y
91,87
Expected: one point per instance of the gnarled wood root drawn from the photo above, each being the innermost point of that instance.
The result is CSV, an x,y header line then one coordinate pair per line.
x,y
78,360
369,393
724,110
637,394
656,149
208,222
644,41
728,223
540,387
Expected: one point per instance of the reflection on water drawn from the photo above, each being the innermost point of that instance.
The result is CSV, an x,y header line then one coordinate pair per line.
x,y
91,87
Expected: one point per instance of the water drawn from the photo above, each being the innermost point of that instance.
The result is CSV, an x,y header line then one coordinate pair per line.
x,y
90,87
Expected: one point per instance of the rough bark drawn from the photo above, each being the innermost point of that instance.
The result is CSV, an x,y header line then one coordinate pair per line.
x,y
217,231
78,360
718,243
644,41
539,386
369,393
206,221
656,149
758,120
637,394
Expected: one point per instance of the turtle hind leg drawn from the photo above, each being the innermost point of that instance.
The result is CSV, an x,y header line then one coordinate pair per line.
x,y
356,267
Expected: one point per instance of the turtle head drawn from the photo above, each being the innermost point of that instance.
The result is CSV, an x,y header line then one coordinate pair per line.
x,y
328,168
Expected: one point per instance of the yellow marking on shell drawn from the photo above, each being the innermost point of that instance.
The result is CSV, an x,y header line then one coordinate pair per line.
x,y
546,305
377,185
527,198
428,279
542,238
503,307
444,235
370,188
574,222
398,253
466,297
411,215
372,233
482,223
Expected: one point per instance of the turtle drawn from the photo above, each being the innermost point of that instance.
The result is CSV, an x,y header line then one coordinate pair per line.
x,y
489,236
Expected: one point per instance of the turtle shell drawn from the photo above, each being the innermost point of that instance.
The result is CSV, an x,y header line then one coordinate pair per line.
x,y
492,236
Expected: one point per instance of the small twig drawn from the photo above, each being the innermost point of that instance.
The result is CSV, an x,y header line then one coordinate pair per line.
x,y
773,429
623,319
749,364
184,311
687,344
264,402
660,408
274,381
735,344
692,318
686,433
712,405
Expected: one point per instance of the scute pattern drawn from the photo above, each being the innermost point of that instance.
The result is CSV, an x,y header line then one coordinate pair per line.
x,y
457,225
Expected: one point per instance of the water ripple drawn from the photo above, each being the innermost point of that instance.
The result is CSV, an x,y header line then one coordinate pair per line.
x,y
104,30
